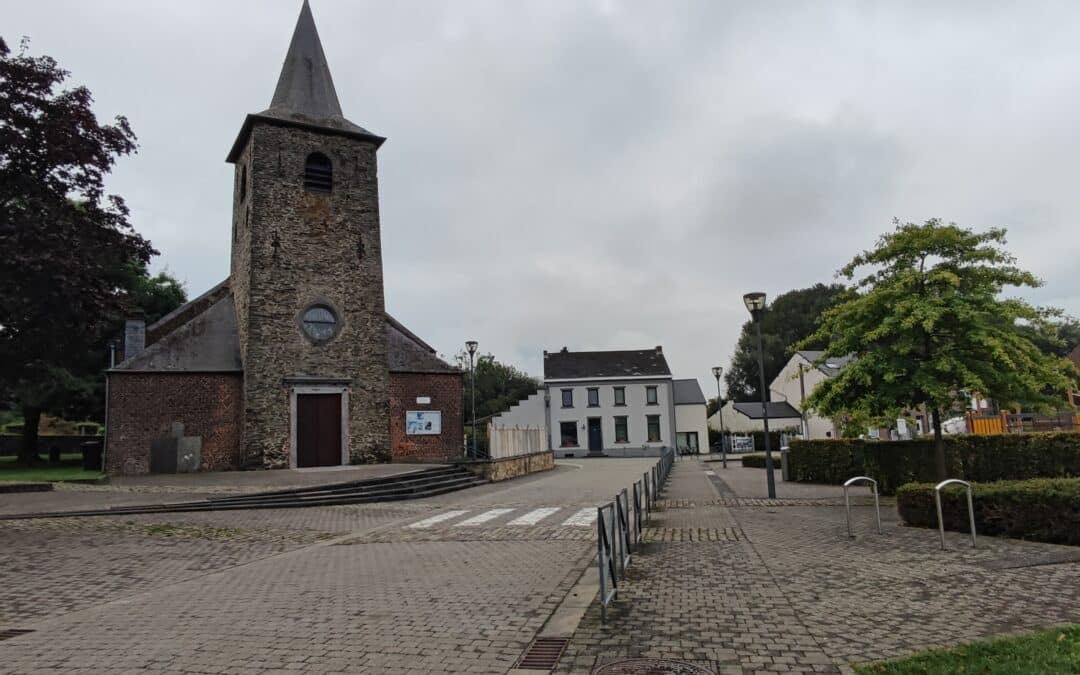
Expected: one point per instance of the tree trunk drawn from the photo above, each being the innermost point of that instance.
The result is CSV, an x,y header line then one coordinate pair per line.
x,y
939,445
28,448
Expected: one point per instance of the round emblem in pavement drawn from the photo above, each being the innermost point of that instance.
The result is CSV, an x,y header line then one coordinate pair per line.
x,y
651,667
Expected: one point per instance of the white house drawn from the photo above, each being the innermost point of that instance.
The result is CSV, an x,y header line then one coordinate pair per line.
x,y
798,379
741,418
610,404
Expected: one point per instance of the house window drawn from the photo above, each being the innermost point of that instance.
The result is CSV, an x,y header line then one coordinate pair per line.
x,y
620,395
568,434
568,398
318,173
653,425
650,395
622,435
594,398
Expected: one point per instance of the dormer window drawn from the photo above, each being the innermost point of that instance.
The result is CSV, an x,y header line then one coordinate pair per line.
x,y
318,173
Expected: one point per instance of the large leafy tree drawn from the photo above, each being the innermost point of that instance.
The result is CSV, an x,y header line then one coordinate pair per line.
x,y
64,239
927,322
791,317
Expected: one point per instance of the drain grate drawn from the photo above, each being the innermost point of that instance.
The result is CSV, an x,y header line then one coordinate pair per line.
x,y
543,653
8,633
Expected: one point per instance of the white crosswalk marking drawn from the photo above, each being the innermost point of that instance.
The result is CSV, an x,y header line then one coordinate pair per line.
x,y
582,518
483,517
535,516
434,520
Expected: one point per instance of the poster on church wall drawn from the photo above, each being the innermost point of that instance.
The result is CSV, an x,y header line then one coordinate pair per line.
x,y
423,422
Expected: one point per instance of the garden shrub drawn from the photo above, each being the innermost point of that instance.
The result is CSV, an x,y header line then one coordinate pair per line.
x,y
756,461
981,458
1041,509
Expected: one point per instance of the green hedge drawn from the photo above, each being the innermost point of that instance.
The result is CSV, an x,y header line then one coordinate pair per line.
x,y
971,457
1043,509
756,461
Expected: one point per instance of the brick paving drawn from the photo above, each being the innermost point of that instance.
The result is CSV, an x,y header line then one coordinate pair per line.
x,y
326,589
793,594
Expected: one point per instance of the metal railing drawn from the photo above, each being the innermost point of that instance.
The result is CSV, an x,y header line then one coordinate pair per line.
x,y
970,504
605,530
619,532
847,501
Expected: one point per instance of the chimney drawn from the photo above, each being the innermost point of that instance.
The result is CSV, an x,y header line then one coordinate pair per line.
x,y
564,350
545,353
134,337
659,350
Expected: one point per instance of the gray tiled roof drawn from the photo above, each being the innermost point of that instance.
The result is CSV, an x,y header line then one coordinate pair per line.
x,y
201,336
831,366
687,392
777,410
565,364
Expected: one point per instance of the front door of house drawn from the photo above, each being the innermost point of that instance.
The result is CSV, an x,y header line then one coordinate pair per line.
x,y
318,430
596,436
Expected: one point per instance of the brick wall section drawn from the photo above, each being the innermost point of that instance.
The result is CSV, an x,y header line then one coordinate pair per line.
x,y
446,391
293,248
143,406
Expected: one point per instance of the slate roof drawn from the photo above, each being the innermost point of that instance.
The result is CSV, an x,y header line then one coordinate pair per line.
x,y
688,392
567,365
830,367
777,410
201,336
305,95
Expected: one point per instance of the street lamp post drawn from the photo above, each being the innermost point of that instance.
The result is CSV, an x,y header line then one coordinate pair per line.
x,y
717,371
471,346
755,303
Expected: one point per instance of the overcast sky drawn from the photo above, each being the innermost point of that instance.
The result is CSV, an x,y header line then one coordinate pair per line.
x,y
605,174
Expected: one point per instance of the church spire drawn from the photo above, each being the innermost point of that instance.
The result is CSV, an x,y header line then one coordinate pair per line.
x,y
305,86
305,96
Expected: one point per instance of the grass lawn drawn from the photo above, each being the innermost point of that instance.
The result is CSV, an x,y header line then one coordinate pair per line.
x,y
68,468
1050,652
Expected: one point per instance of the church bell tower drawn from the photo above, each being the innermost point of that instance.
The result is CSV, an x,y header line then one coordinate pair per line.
x,y
307,273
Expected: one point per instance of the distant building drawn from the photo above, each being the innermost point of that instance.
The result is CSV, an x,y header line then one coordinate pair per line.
x,y
747,417
611,404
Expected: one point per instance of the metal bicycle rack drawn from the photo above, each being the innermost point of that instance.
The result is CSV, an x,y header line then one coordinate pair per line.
x,y
970,503
605,525
847,501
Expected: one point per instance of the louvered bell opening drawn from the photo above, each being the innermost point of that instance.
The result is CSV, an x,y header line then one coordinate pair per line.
x,y
318,173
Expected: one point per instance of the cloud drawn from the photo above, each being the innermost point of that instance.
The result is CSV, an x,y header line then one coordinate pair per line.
x,y
609,174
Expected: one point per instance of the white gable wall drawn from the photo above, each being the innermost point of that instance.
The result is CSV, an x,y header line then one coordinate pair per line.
x,y
786,387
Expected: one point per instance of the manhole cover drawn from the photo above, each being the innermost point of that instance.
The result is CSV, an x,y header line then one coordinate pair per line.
x,y
651,667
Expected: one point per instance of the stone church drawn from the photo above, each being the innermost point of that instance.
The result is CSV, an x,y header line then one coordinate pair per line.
x,y
292,361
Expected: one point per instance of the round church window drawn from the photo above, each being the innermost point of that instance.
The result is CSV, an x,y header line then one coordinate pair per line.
x,y
320,323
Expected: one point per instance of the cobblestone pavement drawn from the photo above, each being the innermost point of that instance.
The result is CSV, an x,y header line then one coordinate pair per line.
x,y
794,594
330,589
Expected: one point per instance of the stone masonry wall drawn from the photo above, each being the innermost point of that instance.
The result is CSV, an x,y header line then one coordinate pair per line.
x,y
445,390
295,248
143,407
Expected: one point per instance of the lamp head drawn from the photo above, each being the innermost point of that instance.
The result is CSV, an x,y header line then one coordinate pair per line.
x,y
471,346
755,303
717,371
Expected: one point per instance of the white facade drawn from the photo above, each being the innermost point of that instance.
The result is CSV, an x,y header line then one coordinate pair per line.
x,y
789,386
690,419
529,412
635,409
